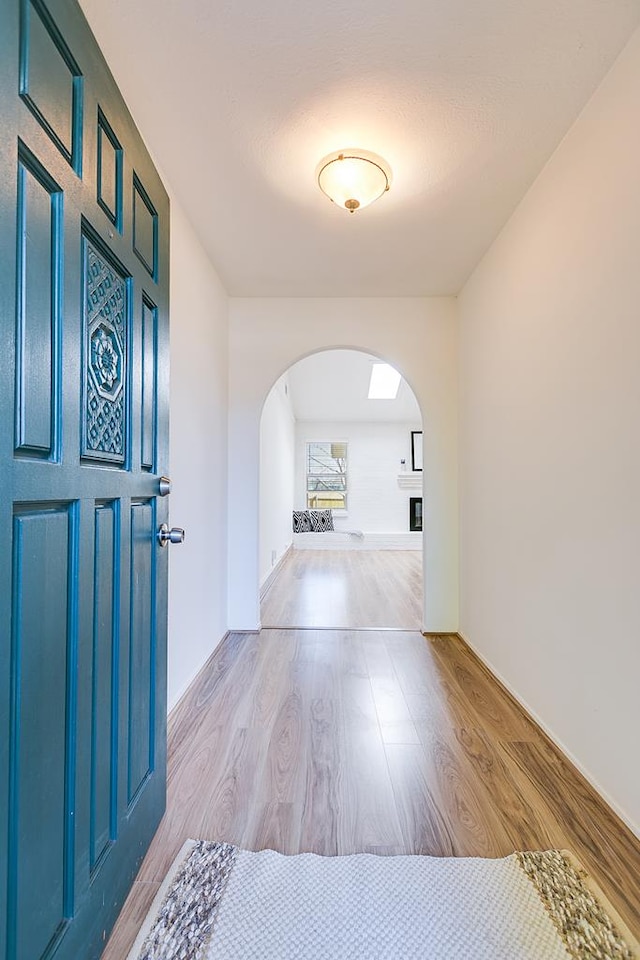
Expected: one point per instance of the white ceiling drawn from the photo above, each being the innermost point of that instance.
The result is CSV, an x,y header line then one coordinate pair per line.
x,y
333,385
466,99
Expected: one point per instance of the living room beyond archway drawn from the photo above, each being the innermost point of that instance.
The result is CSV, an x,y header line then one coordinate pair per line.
x,y
341,496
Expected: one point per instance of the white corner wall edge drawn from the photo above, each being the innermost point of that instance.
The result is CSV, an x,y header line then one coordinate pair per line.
x,y
608,799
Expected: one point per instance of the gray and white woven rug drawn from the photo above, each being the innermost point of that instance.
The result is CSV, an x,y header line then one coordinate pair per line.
x,y
222,903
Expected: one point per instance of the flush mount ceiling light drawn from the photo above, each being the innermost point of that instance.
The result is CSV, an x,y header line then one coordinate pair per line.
x,y
384,382
353,179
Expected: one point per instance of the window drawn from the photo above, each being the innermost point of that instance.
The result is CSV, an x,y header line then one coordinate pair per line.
x,y
327,475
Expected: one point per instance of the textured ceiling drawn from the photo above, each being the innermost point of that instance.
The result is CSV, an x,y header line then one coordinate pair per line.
x,y
333,385
466,99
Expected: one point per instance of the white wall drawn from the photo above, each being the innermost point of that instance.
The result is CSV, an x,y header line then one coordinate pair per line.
x,y
197,568
416,335
550,443
277,467
375,502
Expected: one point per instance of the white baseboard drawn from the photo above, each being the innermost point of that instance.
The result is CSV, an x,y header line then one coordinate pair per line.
x,y
608,799
341,540
273,573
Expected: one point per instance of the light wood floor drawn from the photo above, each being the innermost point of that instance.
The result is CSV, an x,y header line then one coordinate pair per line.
x,y
343,741
346,588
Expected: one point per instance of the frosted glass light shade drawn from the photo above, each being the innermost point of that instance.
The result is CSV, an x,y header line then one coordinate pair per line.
x,y
353,179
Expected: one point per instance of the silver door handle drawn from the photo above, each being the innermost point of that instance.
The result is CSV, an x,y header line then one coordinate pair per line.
x,y
164,487
173,535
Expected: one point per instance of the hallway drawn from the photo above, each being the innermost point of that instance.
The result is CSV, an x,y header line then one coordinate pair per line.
x,y
385,742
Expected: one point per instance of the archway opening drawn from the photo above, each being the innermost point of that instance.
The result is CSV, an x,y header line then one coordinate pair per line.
x,y
340,543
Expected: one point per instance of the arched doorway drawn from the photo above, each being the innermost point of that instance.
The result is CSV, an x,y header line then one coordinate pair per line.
x,y
340,453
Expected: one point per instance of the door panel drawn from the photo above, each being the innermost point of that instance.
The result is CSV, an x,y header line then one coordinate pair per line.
x,y
39,216
103,812
50,80
149,383
42,761
145,228
109,172
84,257
141,649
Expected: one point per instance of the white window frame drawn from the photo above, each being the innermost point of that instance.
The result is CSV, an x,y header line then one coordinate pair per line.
x,y
336,511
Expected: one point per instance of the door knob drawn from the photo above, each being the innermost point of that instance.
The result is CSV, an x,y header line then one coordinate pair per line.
x,y
164,486
173,535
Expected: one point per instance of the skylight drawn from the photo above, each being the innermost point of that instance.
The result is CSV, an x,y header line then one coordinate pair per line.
x,y
384,383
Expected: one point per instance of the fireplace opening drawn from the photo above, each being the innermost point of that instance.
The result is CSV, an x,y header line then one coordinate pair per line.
x,y
415,513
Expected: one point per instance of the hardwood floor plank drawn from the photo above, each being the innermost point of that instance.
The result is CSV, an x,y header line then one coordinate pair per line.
x,y
396,723
273,676
274,826
377,657
525,825
424,828
473,823
226,795
286,752
353,662
370,815
322,807
415,664
359,709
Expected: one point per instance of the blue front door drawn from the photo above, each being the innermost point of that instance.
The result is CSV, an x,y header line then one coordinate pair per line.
x,y
84,238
